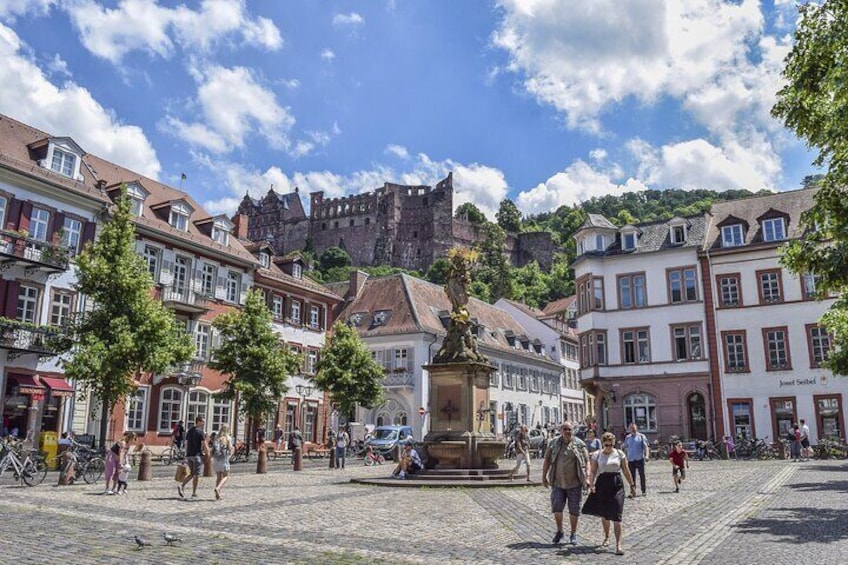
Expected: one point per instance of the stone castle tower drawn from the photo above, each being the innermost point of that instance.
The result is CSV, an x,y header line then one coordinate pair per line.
x,y
399,225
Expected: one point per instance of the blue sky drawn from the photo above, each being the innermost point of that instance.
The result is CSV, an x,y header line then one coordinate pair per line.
x,y
548,102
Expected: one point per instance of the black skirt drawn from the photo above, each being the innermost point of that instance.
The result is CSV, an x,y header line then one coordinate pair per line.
x,y
608,499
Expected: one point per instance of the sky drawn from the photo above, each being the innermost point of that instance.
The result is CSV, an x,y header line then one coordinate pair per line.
x,y
546,102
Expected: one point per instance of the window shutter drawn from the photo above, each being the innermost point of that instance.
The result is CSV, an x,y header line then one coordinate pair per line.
x,y
57,222
196,283
88,231
166,272
13,215
410,359
12,290
23,218
221,288
243,296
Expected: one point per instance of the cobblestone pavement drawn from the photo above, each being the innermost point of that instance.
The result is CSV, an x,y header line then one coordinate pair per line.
x,y
727,512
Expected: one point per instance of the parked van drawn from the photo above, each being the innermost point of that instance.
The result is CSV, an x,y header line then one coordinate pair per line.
x,y
386,437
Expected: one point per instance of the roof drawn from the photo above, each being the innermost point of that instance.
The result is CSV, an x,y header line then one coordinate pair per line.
x,y
275,275
597,221
402,304
527,309
557,306
792,203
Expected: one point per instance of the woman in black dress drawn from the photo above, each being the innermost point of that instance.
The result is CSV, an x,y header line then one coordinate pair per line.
x,y
606,498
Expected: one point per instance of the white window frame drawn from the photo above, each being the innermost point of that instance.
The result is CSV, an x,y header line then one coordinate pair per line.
x,y
176,408
265,259
63,162
295,311
233,286
219,408
222,236
137,404
732,235
28,298
207,279
674,231
64,301
153,257
774,229
278,304
311,361
314,317
179,216
628,241
39,219
72,233
297,271
202,341
646,419
192,410
401,359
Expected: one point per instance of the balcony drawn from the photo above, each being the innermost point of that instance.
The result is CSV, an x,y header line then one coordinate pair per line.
x,y
36,255
21,338
185,300
188,374
399,380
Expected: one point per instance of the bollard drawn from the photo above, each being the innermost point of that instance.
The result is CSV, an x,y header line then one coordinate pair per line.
x,y
145,467
66,471
207,464
262,461
332,458
297,458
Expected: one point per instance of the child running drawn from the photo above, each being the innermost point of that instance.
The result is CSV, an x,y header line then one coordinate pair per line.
x,y
679,459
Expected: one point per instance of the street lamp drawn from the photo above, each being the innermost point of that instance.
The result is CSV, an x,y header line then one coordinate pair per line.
x,y
303,391
188,380
297,455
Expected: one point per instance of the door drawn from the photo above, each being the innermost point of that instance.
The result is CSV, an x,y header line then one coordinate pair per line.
x,y
697,416
783,416
182,267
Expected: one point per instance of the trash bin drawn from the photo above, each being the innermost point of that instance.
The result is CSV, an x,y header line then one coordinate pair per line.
x,y
48,445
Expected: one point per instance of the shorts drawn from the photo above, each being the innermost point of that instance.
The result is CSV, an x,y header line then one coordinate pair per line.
x,y
805,443
195,465
679,470
559,497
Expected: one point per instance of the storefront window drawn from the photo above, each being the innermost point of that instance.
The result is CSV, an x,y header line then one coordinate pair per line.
x,y
641,409
829,417
742,420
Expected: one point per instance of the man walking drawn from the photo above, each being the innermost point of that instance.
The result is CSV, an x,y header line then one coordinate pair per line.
x,y
196,448
567,460
342,441
638,452
522,446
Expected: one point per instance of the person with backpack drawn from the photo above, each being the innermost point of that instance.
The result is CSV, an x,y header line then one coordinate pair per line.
x,y
222,447
567,461
638,452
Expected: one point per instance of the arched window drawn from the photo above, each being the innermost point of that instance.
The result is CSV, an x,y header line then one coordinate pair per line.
x,y
170,405
391,413
198,405
641,409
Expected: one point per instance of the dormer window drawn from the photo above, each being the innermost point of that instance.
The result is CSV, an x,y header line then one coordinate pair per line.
x,y
678,234
628,241
732,235
222,236
137,195
265,259
179,216
599,243
63,162
297,270
774,229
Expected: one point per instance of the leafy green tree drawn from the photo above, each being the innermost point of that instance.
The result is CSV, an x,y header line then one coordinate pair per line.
x,y
472,212
494,269
333,257
126,332
561,278
531,285
256,363
814,104
438,271
508,216
347,372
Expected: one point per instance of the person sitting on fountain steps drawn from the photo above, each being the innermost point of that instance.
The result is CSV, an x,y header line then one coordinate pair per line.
x,y
409,463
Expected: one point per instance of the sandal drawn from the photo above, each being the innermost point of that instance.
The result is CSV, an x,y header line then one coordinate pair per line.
x,y
605,543
619,551
217,495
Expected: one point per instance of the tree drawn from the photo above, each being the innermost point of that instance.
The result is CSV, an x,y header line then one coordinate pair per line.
x,y
438,271
508,216
126,332
347,371
333,257
494,269
471,212
531,285
251,355
814,104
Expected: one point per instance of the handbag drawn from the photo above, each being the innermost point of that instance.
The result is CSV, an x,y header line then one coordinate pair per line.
x,y
181,473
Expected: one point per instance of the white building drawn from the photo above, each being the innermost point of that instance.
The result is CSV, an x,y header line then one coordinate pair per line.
x,y
403,321
769,346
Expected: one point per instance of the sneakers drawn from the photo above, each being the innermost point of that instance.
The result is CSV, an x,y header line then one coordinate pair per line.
x,y
572,539
180,491
676,489
194,496
401,475
558,537
109,492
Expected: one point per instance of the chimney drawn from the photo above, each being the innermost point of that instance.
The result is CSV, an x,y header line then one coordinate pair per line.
x,y
357,281
240,221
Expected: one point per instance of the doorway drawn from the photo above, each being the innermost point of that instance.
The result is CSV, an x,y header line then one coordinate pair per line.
x,y
697,416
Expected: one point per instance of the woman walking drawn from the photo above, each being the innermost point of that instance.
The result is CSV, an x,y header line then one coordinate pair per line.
x,y
606,498
593,444
114,462
221,449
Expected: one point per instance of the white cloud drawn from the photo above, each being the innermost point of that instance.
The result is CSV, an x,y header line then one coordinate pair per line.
x,y
352,20
397,150
27,95
328,55
111,33
11,9
578,182
233,104
598,155
58,66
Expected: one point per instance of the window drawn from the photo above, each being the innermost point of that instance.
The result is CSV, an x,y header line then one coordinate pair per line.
x,y
732,236
809,286
151,257
678,234
220,235
207,279
178,220
38,221
818,342
136,206
599,243
594,349
687,342
277,307
401,359
198,405
628,241
682,285
2,212
314,317
297,270
233,284
770,286
729,288
169,409
635,346
735,352
641,409
265,259
136,406
773,229
136,195
202,337
295,311
776,342
311,361
742,418
61,307
631,291
72,233
28,304
63,162
221,410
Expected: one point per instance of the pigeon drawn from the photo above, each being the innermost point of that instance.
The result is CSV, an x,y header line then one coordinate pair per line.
x,y
141,542
170,538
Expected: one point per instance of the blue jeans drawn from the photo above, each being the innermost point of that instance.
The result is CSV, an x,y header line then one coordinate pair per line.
x,y
340,456
638,465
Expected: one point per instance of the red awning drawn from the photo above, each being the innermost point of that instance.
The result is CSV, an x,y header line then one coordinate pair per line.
x,y
27,384
58,386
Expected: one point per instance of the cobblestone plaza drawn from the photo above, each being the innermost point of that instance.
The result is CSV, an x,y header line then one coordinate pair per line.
x,y
727,512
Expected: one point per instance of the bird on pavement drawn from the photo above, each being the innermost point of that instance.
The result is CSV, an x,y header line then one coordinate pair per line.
x,y
141,542
170,538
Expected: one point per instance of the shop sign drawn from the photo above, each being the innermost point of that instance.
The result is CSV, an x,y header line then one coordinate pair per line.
x,y
31,390
798,382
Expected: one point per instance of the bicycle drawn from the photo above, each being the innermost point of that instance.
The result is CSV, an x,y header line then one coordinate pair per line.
x,y
172,453
373,458
240,453
31,470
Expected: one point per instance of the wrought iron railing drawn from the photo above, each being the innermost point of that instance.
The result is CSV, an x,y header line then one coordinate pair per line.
x,y
26,338
185,296
25,248
399,380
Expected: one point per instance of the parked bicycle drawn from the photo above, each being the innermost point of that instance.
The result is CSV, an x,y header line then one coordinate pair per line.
x,y
30,469
172,453
373,457
239,453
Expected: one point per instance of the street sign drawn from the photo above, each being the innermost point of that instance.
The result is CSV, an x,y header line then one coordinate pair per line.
x,y
422,411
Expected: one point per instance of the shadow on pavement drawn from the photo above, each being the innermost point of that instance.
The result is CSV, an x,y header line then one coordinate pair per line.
x,y
835,486
533,545
800,525
832,468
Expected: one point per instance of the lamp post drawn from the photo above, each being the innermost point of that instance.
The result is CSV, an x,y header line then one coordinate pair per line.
x,y
188,380
297,456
